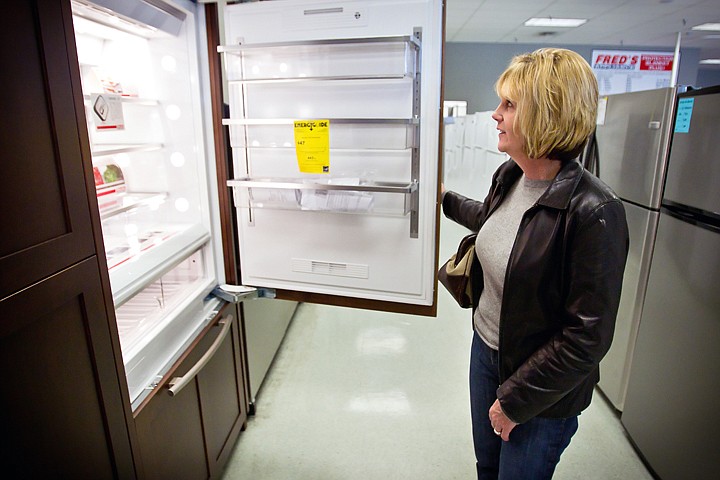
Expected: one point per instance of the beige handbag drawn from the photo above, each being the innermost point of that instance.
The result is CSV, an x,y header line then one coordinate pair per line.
x,y
456,275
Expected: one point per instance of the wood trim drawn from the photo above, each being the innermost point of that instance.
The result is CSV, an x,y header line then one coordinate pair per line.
x,y
441,155
362,303
223,163
217,465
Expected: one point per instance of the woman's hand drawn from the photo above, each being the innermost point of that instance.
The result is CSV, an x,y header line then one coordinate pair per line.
x,y
501,424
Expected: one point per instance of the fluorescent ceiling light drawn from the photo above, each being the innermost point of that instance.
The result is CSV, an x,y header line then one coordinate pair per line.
x,y
713,27
710,61
554,22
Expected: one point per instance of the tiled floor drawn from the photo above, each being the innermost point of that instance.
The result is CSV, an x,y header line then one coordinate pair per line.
x,y
367,395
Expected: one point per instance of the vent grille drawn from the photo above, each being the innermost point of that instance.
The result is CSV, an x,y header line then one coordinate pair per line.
x,y
335,269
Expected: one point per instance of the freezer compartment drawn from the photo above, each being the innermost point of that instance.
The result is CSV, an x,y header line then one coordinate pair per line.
x,y
694,164
673,393
633,136
149,352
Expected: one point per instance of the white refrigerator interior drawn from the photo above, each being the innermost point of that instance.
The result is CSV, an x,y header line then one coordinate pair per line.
x,y
363,225
143,108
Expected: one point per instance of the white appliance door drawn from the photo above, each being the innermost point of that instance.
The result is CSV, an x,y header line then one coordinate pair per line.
x,y
334,122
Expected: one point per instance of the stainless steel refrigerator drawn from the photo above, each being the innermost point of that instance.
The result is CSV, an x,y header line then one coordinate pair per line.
x,y
671,410
633,135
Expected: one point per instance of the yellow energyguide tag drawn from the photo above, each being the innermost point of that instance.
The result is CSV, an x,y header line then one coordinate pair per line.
x,y
312,145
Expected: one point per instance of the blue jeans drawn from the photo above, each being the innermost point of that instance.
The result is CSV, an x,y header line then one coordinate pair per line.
x,y
534,448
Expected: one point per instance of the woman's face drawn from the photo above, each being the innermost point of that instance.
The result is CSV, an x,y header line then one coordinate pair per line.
x,y
509,141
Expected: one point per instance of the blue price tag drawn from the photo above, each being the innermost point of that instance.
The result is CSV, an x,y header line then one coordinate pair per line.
x,y
684,115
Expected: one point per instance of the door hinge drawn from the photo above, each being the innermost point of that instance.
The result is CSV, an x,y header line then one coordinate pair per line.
x,y
240,293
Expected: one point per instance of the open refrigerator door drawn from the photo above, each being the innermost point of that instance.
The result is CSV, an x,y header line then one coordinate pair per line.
x,y
334,125
143,106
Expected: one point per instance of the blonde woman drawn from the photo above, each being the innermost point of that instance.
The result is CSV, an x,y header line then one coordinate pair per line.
x,y
551,249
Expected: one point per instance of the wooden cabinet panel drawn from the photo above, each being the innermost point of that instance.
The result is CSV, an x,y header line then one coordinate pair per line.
x,y
61,409
222,397
45,212
170,435
191,434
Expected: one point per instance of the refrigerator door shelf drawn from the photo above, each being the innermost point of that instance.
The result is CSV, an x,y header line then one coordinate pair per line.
x,y
276,134
393,58
342,196
112,205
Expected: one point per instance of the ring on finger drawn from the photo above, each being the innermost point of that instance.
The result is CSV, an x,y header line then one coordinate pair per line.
x,y
496,432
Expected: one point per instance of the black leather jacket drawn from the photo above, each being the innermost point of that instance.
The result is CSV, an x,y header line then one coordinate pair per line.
x,y
562,289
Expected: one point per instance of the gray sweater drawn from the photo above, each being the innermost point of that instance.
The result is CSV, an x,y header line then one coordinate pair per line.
x,y
493,246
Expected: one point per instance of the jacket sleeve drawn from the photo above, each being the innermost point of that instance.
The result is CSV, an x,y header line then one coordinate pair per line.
x,y
594,259
463,210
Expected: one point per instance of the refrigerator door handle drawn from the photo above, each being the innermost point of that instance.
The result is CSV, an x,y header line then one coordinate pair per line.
x,y
178,383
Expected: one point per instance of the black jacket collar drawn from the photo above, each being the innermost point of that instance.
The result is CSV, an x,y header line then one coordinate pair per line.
x,y
560,191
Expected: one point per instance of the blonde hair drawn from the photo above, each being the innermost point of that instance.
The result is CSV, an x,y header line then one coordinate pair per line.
x,y
555,94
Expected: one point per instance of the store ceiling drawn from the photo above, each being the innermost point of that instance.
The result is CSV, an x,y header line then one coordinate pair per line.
x,y
635,23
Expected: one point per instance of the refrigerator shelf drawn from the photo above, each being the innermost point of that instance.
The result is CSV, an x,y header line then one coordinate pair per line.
x,y
145,102
106,150
394,57
146,309
135,262
128,201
